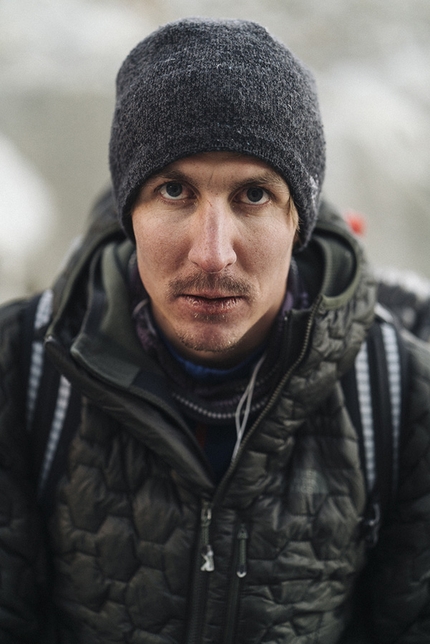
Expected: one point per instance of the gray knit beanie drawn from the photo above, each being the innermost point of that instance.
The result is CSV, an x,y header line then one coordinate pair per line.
x,y
200,85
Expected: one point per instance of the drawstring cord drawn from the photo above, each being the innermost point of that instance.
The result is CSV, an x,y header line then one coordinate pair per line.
x,y
246,397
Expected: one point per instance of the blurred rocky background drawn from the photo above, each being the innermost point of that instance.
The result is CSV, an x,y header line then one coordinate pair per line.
x,y
58,61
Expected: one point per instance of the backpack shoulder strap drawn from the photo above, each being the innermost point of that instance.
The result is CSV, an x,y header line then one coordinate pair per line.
x,y
52,406
396,368
374,395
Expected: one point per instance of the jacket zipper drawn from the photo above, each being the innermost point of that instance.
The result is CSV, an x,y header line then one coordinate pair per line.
x,y
205,553
270,402
239,572
204,564
242,536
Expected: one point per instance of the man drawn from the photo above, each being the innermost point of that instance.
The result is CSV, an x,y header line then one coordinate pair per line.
x,y
211,488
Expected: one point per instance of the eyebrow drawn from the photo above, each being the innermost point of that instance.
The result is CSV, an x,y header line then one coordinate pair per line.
x,y
172,175
264,178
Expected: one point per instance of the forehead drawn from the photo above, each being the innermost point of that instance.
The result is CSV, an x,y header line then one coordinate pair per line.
x,y
232,164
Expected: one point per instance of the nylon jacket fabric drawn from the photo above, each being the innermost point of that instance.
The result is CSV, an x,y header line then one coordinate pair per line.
x,y
120,558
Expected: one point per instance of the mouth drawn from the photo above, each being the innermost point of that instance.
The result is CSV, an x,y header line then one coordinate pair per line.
x,y
210,297
210,303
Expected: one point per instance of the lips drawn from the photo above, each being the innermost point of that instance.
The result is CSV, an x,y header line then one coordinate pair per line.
x,y
213,304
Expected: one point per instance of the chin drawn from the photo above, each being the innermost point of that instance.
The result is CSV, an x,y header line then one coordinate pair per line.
x,y
208,346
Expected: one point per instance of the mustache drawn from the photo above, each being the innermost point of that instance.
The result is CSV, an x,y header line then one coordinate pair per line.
x,y
225,284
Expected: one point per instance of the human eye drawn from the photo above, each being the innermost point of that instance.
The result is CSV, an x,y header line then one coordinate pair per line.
x,y
254,195
173,190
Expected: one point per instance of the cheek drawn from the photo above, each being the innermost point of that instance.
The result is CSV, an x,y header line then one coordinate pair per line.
x,y
269,250
159,252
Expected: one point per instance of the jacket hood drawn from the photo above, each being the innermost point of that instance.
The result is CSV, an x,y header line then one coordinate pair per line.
x,y
93,342
343,293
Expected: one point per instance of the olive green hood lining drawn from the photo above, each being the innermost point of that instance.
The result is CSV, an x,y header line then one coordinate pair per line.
x,y
107,343
331,266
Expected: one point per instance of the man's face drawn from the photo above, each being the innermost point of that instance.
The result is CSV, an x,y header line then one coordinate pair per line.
x,y
214,236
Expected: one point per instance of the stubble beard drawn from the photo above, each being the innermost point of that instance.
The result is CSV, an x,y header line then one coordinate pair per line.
x,y
210,343
209,339
203,282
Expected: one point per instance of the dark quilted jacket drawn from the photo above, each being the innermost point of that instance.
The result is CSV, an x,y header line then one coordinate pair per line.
x,y
137,515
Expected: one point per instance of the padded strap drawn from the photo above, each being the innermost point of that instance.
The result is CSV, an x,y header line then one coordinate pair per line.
x,y
53,409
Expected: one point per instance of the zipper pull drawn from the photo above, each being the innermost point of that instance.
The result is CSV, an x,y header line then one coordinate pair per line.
x,y
206,549
242,536
208,559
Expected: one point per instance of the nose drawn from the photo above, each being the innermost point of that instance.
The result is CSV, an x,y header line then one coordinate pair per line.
x,y
212,248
